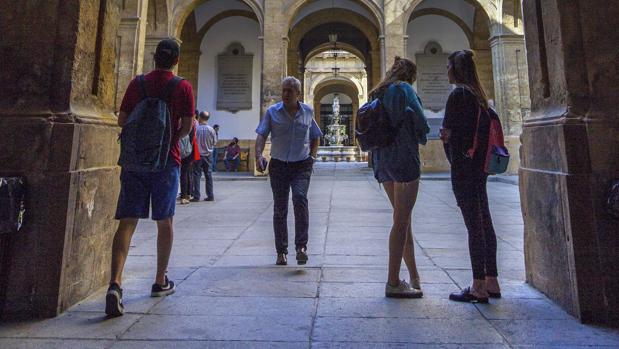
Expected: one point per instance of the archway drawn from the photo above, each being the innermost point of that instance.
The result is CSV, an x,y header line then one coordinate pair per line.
x,y
355,24
212,56
183,8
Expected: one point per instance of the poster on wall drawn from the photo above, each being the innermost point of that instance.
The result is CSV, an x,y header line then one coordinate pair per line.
x,y
432,81
234,79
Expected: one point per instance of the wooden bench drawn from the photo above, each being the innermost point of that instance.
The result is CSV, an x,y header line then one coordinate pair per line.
x,y
243,164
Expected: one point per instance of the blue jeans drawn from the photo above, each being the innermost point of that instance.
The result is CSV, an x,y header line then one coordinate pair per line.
x,y
141,190
284,177
232,164
202,165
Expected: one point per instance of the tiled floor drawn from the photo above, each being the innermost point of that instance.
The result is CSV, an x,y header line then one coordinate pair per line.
x,y
230,295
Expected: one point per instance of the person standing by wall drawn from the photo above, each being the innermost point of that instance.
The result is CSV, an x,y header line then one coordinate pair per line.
x,y
215,151
466,103
141,190
207,141
295,137
189,156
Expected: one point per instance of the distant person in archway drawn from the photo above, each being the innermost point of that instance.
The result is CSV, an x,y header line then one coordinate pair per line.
x,y
397,167
232,156
466,103
206,138
149,178
294,144
215,152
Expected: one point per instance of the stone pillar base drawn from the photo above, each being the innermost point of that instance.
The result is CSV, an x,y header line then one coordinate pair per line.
x,y
62,254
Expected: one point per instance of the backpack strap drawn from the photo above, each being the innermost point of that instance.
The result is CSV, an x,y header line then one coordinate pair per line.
x,y
471,152
142,84
171,87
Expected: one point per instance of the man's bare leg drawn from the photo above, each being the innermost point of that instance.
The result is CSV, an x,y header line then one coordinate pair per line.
x,y
120,248
165,237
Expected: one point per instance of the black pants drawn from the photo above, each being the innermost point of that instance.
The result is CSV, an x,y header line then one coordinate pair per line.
x,y
186,176
472,199
203,165
284,177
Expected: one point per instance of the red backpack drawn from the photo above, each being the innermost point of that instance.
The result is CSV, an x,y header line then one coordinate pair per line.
x,y
497,156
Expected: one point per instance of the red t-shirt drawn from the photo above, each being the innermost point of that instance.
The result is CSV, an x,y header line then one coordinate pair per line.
x,y
181,102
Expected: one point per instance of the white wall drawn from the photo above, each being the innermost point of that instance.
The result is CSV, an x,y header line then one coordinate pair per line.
x,y
435,28
245,31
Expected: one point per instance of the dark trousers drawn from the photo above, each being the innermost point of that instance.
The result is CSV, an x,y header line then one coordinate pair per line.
x,y
232,165
186,176
214,160
284,177
472,199
202,165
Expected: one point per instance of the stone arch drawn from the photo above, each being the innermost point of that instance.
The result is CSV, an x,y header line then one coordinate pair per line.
x,y
326,16
337,15
184,8
377,12
488,7
191,37
223,15
327,46
332,80
440,12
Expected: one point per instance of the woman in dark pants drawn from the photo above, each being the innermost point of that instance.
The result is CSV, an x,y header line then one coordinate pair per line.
x,y
466,102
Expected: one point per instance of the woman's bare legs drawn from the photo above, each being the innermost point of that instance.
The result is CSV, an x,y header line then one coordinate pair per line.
x,y
401,245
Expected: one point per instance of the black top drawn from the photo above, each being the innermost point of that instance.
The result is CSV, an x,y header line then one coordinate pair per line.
x,y
461,118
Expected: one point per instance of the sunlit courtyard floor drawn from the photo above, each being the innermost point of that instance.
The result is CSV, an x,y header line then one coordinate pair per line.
x,y
231,295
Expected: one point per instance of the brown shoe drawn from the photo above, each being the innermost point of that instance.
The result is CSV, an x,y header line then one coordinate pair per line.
x,y
281,259
302,256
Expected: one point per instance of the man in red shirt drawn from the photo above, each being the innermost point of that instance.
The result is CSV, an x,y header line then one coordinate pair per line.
x,y
141,190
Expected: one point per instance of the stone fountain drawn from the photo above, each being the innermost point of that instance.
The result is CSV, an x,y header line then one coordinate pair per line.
x,y
336,133
335,137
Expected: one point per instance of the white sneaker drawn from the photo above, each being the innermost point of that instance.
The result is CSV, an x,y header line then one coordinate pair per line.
x,y
402,290
416,284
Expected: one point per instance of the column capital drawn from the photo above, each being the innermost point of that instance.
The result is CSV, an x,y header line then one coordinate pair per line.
x,y
506,39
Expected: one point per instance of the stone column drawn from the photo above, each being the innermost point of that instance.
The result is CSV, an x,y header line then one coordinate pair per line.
x,y
570,147
275,48
189,67
511,89
131,36
58,131
383,66
150,45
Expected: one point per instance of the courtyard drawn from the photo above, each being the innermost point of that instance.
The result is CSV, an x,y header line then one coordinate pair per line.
x,y
231,295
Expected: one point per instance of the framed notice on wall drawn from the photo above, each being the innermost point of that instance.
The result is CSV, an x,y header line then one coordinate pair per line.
x,y
432,82
234,79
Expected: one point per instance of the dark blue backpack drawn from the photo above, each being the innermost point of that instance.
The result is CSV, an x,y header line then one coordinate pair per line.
x,y
145,138
373,127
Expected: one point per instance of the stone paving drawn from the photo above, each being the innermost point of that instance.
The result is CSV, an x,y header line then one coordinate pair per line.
x,y
230,294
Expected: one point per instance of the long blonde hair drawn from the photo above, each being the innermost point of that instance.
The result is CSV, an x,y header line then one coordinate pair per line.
x,y
465,73
403,69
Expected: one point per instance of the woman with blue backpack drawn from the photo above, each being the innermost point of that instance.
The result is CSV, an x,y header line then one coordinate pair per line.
x,y
466,135
395,156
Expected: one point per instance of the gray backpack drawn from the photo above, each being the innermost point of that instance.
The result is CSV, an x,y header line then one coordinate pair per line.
x,y
145,139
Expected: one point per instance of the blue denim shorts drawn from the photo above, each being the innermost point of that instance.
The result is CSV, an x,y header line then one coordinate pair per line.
x,y
139,190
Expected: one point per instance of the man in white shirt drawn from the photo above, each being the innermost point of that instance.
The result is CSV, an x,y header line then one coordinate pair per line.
x,y
207,141
295,137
